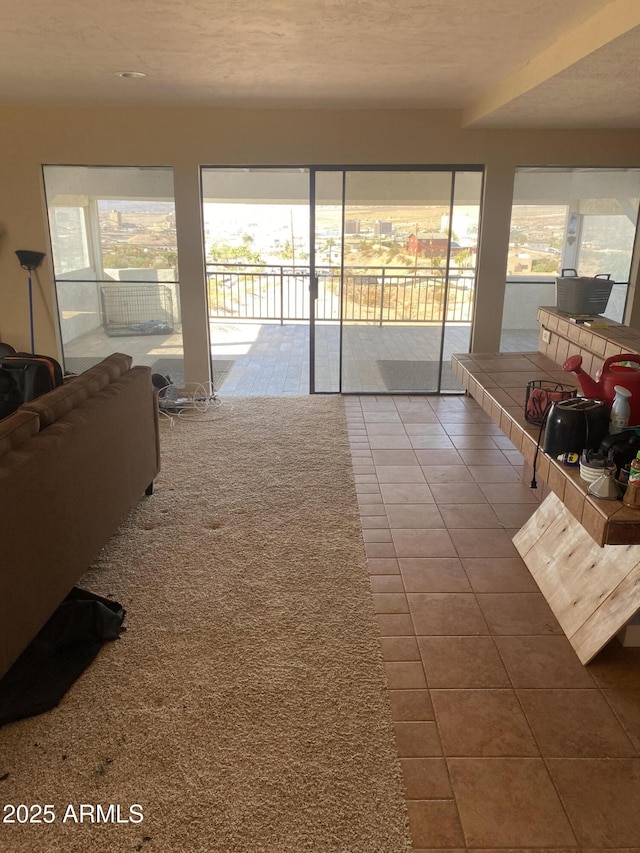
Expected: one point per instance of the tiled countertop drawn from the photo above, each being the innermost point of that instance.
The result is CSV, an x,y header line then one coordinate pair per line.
x,y
498,382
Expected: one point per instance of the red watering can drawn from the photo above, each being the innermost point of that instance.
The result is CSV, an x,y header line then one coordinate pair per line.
x,y
612,373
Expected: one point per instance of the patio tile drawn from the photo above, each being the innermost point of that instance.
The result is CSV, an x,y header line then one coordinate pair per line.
x,y
386,583
457,493
383,458
438,457
494,473
390,602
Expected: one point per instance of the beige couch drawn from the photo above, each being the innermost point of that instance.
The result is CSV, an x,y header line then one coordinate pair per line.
x,y
73,463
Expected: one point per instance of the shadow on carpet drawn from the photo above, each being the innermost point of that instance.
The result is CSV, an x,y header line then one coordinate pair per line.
x,y
58,655
417,376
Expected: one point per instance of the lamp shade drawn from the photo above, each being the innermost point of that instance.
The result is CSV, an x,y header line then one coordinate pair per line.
x,y
29,260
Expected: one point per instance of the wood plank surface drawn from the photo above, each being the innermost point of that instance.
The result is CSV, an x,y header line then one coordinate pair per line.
x,y
592,591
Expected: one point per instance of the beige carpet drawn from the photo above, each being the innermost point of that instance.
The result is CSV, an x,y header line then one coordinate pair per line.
x,y
244,708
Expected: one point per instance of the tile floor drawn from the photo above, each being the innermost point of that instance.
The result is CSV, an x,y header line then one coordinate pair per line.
x,y
504,738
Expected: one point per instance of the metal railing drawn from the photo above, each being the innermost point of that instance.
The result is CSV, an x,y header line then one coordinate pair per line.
x,y
382,295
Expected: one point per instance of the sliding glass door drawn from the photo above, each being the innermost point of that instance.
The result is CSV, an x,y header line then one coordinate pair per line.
x,y
393,271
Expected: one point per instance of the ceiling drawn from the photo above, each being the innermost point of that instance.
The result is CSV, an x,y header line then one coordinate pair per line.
x,y
539,63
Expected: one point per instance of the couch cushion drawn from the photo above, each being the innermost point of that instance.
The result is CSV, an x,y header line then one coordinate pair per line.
x,y
53,405
16,429
104,372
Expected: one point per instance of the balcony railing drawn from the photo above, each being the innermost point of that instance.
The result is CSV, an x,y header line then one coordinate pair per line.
x,y
382,295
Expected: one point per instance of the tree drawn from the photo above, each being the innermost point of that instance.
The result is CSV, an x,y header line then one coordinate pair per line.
x,y
223,252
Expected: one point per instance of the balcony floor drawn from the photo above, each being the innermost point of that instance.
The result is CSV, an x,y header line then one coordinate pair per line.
x,y
273,360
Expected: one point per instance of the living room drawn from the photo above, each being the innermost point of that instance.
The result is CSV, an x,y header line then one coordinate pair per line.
x,y
552,88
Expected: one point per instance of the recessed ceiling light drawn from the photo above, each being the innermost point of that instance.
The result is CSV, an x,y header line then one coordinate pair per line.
x,y
129,74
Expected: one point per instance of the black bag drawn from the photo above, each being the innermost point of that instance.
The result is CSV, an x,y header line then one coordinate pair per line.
x,y
24,377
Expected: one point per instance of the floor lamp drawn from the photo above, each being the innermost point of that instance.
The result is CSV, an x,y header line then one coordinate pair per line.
x,y
30,261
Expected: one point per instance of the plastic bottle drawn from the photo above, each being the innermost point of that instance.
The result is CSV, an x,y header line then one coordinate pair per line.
x,y
634,469
620,409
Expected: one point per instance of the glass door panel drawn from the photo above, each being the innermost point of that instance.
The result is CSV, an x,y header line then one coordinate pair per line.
x,y
397,251
327,192
115,258
465,226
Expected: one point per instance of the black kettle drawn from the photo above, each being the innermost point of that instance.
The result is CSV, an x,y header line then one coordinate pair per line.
x,y
574,425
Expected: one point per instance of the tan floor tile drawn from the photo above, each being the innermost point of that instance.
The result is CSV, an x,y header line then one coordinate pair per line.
x,y
457,493
617,666
485,442
478,457
501,473
441,574
575,724
626,704
385,429
508,802
399,648
382,566
445,474
390,602
374,522
423,543
426,779
417,740
506,574
405,675
433,428
395,625
601,797
379,550
400,474
483,543
518,613
372,510
431,442
446,614
434,823
386,583
462,662
389,442
406,493
544,661
410,705
439,456
411,516
482,723
510,493
376,534
469,516
514,515
384,458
